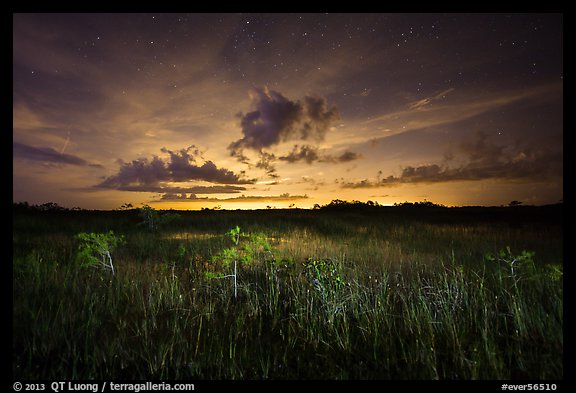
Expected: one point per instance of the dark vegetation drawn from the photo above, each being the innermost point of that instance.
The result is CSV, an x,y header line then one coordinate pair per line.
x,y
348,290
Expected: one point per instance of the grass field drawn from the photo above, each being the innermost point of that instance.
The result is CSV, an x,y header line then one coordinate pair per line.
x,y
379,293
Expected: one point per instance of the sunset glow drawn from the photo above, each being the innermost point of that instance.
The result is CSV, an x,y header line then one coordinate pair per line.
x,y
249,111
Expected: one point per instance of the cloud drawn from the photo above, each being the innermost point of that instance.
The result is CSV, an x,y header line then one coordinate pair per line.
x,y
150,175
428,100
484,160
309,154
458,106
348,156
306,153
183,197
266,162
277,119
48,155
182,167
162,188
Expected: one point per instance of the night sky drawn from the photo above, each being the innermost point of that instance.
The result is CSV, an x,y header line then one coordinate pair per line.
x,y
187,111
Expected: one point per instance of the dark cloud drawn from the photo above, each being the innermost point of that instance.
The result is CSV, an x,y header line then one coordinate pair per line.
x,y
485,160
47,155
348,156
309,154
266,162
277,119
162,188
481,151
183,197
149,175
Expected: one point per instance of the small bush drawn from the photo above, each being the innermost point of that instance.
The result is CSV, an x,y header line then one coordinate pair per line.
x,y
95,249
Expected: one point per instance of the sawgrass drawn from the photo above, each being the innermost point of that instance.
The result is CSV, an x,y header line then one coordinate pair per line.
x,y
390,297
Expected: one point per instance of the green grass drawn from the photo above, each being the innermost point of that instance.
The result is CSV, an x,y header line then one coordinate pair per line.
x,y
341,296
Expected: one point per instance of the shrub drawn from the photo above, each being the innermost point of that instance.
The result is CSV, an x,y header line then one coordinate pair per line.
x,y
95,249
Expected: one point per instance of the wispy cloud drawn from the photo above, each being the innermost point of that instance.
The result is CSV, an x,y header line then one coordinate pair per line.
x,y
460,105
422,113
48,155
426,101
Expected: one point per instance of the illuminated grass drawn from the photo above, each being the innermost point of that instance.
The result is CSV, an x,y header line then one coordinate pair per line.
x,y
388,299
